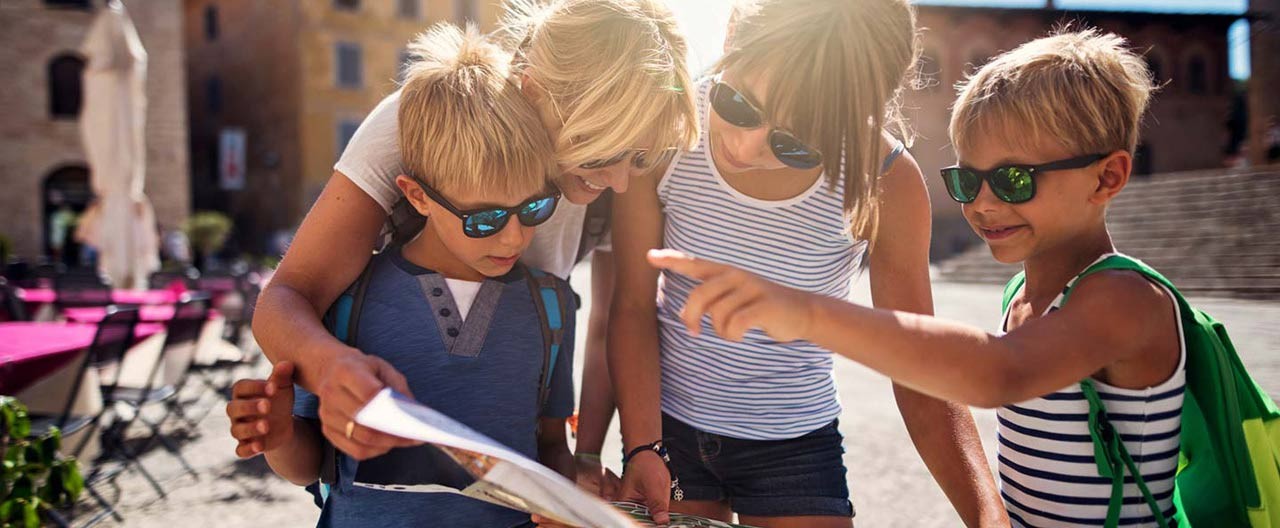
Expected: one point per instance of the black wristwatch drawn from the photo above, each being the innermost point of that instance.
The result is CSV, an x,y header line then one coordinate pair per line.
x,y
660,449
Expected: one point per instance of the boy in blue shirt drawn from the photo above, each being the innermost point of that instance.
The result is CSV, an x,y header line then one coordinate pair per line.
x,y
451,310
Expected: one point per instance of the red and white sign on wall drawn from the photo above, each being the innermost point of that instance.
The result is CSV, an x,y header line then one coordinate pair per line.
x,y
231,168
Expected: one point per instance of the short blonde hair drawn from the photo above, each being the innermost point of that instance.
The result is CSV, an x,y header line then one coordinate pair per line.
x,y
464,125
615,72
836,70
1083,89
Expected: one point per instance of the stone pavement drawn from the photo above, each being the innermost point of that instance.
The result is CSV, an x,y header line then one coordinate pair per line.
x,y
890,485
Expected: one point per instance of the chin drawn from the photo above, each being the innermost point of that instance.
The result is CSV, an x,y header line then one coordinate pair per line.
x,y
1008,255
580,197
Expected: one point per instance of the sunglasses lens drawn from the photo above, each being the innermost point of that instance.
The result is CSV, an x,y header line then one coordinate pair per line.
x,y
538,211
732,107
792,152
485,223
602,163
963,185
1013,184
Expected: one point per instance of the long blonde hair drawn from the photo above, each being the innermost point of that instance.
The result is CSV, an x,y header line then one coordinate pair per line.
x,y
614,69
835,70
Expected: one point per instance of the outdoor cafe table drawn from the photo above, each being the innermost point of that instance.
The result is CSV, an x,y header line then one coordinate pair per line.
x,y
139,297
31,351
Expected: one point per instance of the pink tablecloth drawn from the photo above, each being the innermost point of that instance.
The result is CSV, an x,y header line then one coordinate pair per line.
x,y
142,297
30,351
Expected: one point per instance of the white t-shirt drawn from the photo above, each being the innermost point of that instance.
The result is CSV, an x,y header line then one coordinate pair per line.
x,y
464,294
372,161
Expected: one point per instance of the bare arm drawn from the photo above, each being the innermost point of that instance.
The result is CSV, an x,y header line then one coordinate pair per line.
x,y
633,342
299,460
944,433
332,246
596,405
553,446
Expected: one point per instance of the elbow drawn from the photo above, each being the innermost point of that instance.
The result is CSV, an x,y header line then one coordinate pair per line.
x,y
1002,385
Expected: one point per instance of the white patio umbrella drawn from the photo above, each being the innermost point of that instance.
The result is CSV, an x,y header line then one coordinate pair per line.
x,y
120,224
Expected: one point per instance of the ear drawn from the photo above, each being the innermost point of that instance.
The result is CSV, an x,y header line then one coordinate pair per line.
x,y
1116,169
530,88
413,193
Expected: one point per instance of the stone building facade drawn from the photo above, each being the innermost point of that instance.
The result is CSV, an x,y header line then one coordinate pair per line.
x,y
40,145
1186,126
296,77
1264,82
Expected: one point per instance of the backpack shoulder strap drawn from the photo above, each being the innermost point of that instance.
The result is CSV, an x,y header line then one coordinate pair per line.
x,y
1011,288
1109,451
552,308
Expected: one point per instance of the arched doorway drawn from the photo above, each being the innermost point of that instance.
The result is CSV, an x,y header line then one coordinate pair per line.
x,y
65,195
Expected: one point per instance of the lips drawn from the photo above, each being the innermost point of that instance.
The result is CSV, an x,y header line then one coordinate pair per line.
x,y
504,261
591,186
999,232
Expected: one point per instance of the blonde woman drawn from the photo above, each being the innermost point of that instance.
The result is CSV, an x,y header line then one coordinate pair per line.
x,y
795,178
608,80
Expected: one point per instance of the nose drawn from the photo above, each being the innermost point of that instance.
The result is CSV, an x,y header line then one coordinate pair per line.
x,y
985,202
617,176
513,234
752,146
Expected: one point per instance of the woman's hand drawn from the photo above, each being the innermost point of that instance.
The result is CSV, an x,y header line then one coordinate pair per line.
x,y
737,300
595,478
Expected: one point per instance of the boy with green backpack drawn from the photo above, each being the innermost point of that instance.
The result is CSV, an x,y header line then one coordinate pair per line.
x,y
1124,407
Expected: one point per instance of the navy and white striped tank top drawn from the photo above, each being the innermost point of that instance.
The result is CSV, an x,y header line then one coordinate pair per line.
x,y
758,389
1048,477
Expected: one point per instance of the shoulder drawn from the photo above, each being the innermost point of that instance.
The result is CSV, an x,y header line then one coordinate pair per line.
x,y
1119,296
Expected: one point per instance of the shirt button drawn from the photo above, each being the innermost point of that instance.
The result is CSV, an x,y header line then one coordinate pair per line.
x,y
437,292
453,332
444,312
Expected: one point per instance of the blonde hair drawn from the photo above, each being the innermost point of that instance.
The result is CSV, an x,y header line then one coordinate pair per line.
x,y
836,70
614,70
1084,89
464,125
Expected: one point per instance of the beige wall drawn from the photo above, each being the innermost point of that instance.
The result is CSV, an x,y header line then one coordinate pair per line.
x,y
32,144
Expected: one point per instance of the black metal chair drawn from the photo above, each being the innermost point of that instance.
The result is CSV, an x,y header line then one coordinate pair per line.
x,y
114,336
11,307
81,289
164,279
164,381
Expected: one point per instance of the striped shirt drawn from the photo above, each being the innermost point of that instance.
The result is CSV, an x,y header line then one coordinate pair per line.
x,y
757,389
1048,476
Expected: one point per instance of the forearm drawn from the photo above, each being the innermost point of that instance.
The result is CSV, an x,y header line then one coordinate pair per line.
x,y
298,460
596,407
636,373
950,361
288,328
947,439
558,458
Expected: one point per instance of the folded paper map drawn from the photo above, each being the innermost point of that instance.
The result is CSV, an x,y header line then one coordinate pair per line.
x,y
503,476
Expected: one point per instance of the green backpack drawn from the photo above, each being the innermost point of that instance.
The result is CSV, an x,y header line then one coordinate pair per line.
x,y
1229,465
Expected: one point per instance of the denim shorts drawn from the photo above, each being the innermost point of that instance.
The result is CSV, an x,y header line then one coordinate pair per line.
x,y
767,478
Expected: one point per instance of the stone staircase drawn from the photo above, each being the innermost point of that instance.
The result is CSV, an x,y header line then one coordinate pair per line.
x,y
1213,233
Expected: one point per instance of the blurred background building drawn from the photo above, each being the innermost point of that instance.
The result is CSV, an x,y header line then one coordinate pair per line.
x,y
44,176
278,88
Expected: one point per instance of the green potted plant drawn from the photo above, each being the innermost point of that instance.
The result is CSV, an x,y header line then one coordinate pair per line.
x,y
35,480
207,231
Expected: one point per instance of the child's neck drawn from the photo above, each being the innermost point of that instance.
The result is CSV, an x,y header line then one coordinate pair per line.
x,y
428,251
1049,272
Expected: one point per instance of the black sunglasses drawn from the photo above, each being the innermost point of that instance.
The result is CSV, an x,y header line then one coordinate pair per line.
x,y
1011,184
489,221
737,110
640,159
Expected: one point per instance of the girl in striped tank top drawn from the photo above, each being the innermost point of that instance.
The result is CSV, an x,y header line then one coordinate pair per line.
x,y
794,178
1045,136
